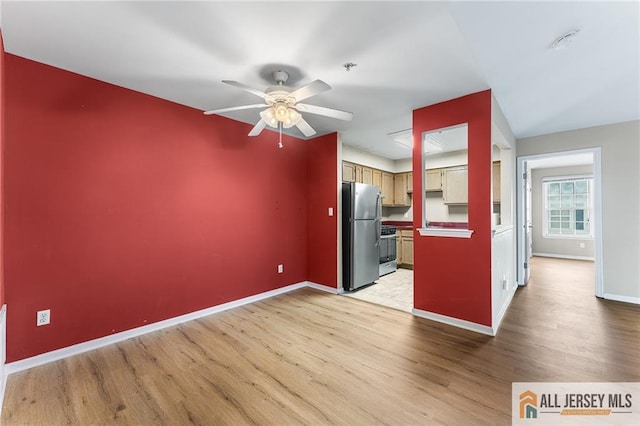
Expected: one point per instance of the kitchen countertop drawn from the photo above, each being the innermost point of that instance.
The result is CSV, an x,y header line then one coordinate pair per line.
x,y
409,225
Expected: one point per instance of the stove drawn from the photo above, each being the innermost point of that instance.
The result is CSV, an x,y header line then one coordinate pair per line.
x,y
388,250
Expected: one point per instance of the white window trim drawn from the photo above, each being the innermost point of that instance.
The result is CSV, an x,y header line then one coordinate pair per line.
x,y
545,199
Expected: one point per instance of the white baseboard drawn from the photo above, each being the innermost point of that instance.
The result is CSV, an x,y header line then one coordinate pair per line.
x,y
619,298
564,256
503,310
79,348
456,322
322,287
3,353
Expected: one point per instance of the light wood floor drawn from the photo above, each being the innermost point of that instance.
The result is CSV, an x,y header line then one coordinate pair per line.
x,y
313,358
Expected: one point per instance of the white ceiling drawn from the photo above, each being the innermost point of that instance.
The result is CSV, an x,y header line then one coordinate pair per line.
x,y
409,55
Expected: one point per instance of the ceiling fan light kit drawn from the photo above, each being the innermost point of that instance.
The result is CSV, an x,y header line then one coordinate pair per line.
x,y
282,105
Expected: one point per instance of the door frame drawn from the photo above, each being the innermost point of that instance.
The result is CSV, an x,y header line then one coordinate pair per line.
x,y
597,206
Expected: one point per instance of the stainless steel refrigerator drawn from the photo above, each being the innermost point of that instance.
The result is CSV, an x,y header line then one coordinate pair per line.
x,y
361,222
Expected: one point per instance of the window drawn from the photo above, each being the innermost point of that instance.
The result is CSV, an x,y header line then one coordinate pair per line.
x,y
568,206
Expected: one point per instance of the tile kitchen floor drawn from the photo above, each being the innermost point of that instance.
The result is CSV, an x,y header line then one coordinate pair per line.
x,y
394,290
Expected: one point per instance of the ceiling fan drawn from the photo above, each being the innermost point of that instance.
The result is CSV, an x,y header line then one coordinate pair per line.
x,y
282,104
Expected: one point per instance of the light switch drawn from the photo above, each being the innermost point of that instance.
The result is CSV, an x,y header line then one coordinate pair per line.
x,y
330,211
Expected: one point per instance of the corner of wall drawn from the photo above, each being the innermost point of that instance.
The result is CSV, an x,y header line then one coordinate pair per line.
x,y
3,352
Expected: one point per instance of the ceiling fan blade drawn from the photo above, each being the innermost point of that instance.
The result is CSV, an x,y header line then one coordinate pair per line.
x,y
258,128
305,128
311,89
238,108
327,112
245,88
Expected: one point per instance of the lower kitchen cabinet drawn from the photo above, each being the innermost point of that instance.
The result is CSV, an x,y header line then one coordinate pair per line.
x,y
405,248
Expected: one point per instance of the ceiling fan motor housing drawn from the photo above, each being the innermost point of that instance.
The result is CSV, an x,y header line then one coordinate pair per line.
x,y
280,77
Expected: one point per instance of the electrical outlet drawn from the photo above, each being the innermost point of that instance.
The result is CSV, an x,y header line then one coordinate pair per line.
x,y
43,317
280,268
330,211
581,245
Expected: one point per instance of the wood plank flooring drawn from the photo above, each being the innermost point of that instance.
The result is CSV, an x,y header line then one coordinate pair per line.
x,y
309,357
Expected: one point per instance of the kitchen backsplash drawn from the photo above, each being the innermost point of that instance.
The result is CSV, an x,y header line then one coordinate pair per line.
x,y
404,214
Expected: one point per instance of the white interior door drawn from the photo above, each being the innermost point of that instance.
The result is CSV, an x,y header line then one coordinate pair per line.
x,y
523,222
528,223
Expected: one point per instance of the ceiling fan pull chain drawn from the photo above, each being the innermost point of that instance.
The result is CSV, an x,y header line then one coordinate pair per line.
x,y
280,140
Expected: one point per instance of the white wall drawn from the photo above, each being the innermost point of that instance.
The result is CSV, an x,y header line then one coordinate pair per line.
x,y
405,165
503,244
357,156
620,147
403,214
561,247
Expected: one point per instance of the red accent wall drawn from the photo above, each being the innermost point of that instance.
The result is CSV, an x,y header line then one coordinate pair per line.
x,y
1,169
322,229
452,276
122,209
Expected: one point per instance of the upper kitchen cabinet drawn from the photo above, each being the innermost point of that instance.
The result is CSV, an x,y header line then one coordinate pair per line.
x,y
367,175
387,189
376,177
394,188
359,173
455,185
401,190
348,172
433,180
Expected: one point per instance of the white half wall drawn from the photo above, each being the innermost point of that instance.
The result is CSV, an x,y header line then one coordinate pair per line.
x,y
503,272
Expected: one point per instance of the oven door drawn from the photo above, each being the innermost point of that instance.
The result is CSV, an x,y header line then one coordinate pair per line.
x,y
387,248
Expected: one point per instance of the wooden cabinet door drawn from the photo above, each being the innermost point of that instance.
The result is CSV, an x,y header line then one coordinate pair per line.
x,y
400,195
358,173
387,189
433,180
454,185
367,175
399,249
410,182
405,247
376,178
496,181
407,251
348,172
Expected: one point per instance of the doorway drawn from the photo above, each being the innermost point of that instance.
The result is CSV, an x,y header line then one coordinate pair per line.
x,y
570,222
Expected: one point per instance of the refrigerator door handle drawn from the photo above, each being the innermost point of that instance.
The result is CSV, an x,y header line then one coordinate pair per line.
x,y
378,218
